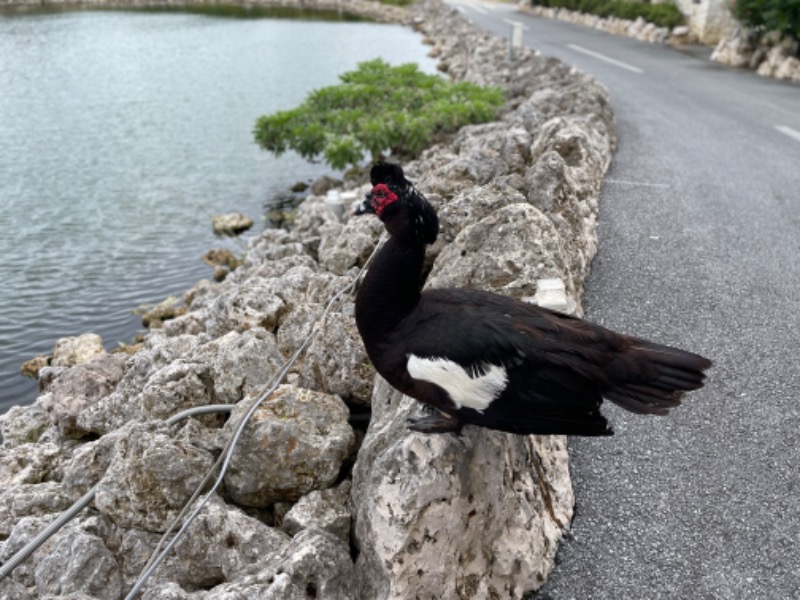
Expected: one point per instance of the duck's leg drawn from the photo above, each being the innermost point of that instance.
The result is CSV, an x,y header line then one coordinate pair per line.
x,y
438,422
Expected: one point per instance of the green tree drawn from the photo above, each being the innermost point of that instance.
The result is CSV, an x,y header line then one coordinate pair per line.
x,y
772,15
376,108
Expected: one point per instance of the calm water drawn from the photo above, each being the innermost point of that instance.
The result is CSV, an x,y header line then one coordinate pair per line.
x,y
121,133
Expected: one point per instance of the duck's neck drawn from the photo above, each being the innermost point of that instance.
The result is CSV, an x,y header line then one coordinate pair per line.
x,y
390,290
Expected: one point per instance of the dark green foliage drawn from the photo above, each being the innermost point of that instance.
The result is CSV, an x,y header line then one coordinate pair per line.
x,y
772,15
376,108
663,15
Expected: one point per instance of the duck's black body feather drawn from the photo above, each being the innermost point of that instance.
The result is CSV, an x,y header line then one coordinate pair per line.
x,y
557,368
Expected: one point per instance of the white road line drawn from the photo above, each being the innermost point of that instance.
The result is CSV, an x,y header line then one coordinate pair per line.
x,y
637,183
605,58
479,9
792,133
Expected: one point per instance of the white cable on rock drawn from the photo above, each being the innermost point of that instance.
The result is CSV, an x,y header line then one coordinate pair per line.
x,y
69,514
159,555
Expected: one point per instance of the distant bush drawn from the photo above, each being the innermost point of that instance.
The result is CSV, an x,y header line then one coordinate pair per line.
x,y
663,15
772,15
376,108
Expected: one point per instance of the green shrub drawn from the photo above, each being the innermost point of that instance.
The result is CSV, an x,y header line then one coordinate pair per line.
x,y
772,15
663,15
376,108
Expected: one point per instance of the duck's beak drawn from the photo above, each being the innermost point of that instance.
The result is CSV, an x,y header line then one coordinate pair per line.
x,y
365,207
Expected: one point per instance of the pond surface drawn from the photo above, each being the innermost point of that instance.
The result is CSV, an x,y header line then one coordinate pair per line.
x,y
121,133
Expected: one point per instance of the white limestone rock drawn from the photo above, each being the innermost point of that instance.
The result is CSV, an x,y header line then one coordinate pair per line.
x,y
231,223
345,246
326,510
734,52
312,215
222,545
295,442
239,364
23,532
23,425
176,373
71,351
271,254
29,463
442,516
314,564
79,388
77,563
11,589
506,252
150,477
30,500
336,360
253,303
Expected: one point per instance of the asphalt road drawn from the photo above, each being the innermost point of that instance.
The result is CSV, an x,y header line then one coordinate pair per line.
x,y
699,247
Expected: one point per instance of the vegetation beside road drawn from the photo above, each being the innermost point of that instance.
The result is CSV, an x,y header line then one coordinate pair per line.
x,y
663,15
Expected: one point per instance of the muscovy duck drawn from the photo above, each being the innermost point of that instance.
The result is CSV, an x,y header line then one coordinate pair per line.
x,y
485,359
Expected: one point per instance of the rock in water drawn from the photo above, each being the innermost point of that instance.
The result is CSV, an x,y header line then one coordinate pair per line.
x,y
71,351
231,224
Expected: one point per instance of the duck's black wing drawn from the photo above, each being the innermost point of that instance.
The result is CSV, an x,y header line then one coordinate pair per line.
x,y
557,368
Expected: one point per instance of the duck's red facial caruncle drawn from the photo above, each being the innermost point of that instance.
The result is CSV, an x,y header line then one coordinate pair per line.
x,y
380,197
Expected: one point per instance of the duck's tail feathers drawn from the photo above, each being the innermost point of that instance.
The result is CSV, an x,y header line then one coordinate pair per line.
x,y
661,376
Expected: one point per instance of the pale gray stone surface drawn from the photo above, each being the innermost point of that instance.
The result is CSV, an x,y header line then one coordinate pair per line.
x,y
445,516
341,368
150,477
79,388
26,499
221,545
295,442
71,351
231,223
326,510
78,562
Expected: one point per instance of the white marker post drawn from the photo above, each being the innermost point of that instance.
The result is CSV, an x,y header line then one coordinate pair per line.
x,y
333,200
516,39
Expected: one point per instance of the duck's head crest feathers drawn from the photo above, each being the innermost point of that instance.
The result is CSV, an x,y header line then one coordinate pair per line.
x,y
404,210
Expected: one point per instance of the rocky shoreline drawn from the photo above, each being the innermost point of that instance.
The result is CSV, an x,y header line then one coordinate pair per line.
x,y
372,10
313,506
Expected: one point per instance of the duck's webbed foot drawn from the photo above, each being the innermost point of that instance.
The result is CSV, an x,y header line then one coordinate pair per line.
x,y
438,422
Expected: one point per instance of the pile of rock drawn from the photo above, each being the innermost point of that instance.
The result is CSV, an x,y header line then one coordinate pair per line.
x,y
67,352
311,507
231,224
768,54
638,28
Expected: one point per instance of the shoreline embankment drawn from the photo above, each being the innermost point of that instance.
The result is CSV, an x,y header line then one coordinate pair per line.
x,y
374,11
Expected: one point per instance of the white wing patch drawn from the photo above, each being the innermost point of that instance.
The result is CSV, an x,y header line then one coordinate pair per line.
x,y
475,390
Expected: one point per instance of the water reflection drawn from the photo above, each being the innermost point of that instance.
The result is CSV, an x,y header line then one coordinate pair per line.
x,y
123,132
